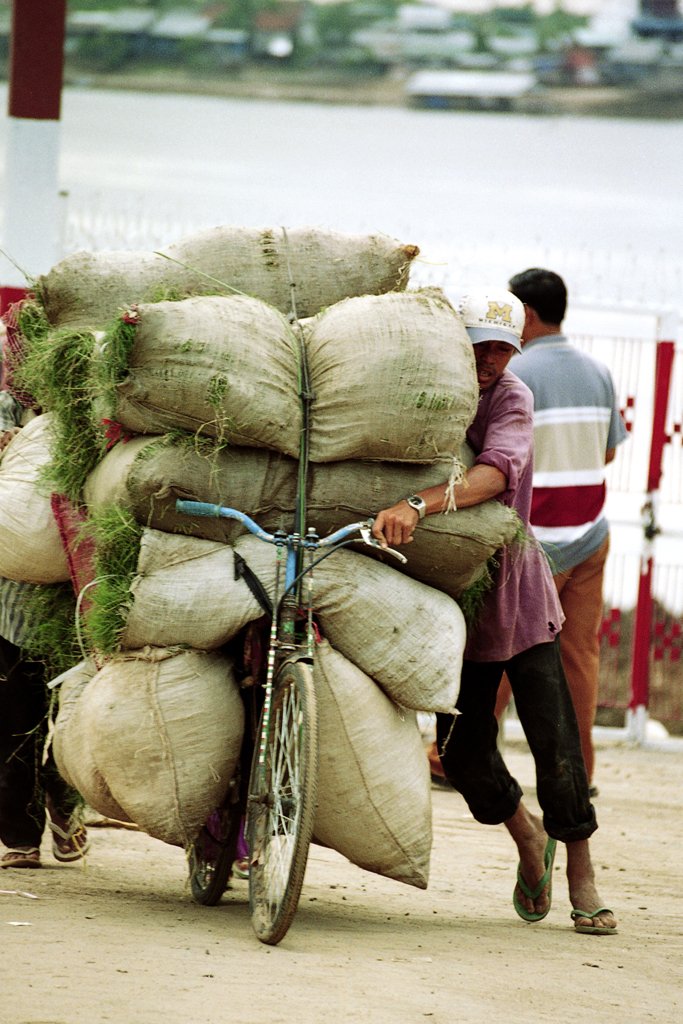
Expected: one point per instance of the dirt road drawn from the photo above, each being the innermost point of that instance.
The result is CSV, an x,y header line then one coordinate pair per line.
x,y
120,939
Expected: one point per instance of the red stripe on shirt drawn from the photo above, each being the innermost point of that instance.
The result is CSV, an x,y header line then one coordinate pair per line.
x,y
567,506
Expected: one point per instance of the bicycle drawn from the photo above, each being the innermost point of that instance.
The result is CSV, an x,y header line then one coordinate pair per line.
x,y
282,786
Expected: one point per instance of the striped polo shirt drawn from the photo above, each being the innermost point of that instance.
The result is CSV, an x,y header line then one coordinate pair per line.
x,y
576,421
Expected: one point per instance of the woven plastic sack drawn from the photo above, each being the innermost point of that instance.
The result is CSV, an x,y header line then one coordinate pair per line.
x,y
89,289
374,800
449,552
185,592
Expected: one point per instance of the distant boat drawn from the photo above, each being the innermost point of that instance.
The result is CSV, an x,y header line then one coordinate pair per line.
x,y
478,90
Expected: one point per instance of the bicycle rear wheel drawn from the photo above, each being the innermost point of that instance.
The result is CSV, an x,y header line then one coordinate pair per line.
x,y
213,852
281,805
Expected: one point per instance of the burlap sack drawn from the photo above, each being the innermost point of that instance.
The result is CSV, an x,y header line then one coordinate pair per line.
x,y
393,377
147,476
374,800
408,637
89,289
226,367
165,731
30,547
185,592
449,551
71,744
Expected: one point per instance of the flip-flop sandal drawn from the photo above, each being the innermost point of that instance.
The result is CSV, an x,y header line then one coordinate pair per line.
x,y
533,894
591,929
29,857
69,845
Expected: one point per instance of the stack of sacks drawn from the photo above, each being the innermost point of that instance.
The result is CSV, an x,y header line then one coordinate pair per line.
x,y
373,791
395,389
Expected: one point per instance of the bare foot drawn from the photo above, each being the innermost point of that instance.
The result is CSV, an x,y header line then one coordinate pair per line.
x,y
583,893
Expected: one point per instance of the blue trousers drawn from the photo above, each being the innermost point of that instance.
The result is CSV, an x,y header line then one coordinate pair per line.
x,y
473,763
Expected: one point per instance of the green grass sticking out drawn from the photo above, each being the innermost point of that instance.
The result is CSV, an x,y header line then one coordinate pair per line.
x,y
57,370
117,539
52,638
110,365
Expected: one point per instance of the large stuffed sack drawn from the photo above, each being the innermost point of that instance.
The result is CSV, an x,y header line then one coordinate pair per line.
x,y
71,744
310,267
30,546
146,476
374,800
407,636
227,367
165,730
449,552
393,378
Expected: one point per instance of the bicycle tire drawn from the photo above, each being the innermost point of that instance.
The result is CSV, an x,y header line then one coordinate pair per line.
x,y
282,802
213,852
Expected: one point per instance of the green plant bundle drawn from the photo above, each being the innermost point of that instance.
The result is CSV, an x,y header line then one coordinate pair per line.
x,y
117,547
110,365
52,635
57,370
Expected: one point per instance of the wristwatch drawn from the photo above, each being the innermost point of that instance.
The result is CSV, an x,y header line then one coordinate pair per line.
x,y
418,503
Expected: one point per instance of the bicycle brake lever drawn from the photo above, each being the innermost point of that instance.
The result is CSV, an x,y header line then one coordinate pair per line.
x,y
368,539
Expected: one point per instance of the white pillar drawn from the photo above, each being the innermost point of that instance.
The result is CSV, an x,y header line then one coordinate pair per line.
x,y
31,223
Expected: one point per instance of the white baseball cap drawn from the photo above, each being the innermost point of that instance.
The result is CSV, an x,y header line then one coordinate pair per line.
x,y
493,315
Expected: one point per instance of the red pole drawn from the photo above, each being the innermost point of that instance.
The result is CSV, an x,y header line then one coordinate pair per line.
x,y
640,668
30,236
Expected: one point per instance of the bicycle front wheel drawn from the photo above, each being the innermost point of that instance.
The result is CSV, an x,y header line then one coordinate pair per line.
x,y
282,801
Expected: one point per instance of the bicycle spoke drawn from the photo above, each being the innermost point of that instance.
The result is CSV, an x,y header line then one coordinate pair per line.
x,y
282,806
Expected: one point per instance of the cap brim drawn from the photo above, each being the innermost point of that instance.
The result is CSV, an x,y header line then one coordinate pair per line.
x,y
478,334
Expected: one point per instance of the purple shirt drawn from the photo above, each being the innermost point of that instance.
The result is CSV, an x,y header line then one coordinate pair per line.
x,y
522,609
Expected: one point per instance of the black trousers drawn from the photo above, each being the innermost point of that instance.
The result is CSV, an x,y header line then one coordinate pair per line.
x,y
24,781
474,766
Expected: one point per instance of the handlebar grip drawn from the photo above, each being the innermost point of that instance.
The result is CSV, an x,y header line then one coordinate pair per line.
x,y
197,508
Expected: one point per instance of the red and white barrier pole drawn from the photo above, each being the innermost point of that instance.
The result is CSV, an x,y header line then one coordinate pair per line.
x,y
642,630
30,237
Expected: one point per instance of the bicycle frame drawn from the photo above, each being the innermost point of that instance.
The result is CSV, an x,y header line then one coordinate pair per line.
x,y
283,640
283,776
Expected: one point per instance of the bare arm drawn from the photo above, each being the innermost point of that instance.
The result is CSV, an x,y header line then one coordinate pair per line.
x,y
395,525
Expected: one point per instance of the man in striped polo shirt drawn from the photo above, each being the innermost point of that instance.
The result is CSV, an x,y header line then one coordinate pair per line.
x,y
577,427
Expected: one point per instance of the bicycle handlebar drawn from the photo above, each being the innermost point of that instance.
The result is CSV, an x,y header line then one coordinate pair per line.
x,y
364,527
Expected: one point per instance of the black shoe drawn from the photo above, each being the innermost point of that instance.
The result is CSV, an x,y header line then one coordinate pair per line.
x,y
593,791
